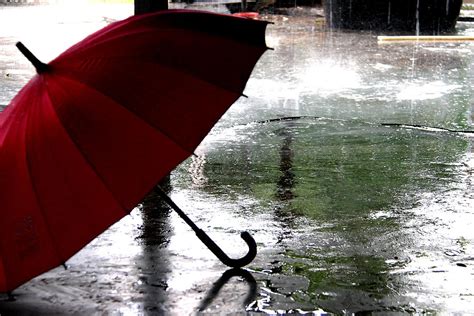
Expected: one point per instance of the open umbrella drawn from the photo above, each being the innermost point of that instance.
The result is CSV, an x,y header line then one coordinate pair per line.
x,y
98,127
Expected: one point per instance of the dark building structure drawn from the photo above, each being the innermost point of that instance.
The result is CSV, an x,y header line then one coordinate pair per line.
x,y
408,16
146,6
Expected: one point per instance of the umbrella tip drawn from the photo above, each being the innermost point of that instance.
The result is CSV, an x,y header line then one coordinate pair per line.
x,y
39,65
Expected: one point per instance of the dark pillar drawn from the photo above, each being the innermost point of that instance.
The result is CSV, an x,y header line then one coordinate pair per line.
x,y
147,6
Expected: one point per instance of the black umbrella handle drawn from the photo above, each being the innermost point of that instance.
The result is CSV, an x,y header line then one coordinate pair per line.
x,y
216,250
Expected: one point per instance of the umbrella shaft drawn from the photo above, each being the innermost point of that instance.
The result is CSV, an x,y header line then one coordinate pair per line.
x,y
176,208
210,244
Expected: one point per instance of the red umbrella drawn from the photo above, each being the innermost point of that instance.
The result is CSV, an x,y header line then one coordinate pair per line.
x,y
97,128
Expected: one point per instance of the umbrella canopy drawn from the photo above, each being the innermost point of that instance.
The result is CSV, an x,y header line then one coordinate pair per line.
x,y
94,131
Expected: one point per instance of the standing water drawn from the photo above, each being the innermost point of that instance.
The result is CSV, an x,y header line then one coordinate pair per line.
x,y
350,162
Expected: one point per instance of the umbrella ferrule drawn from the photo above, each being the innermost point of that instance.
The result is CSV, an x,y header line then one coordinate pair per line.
x,y
39,65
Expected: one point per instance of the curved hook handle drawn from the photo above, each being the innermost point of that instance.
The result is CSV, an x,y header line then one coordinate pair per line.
x,y
216,250
222,256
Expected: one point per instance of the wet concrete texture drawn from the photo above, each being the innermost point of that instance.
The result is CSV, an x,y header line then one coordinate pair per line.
x,y
355,207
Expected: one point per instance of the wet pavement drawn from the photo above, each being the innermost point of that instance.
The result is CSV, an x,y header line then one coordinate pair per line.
x,y
350,162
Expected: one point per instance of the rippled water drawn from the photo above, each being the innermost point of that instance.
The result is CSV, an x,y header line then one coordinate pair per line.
x,y
360,211
370,198
347,163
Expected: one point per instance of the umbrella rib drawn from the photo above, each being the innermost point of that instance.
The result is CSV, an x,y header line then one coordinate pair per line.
x,y
87,160
60,258
173,68
177,69
157,129
194,76
151,30
35,193
105,40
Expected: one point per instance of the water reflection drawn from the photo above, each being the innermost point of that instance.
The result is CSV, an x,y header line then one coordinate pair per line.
x,y
286,182
153,265
223,280
156,229
196,170
345,193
